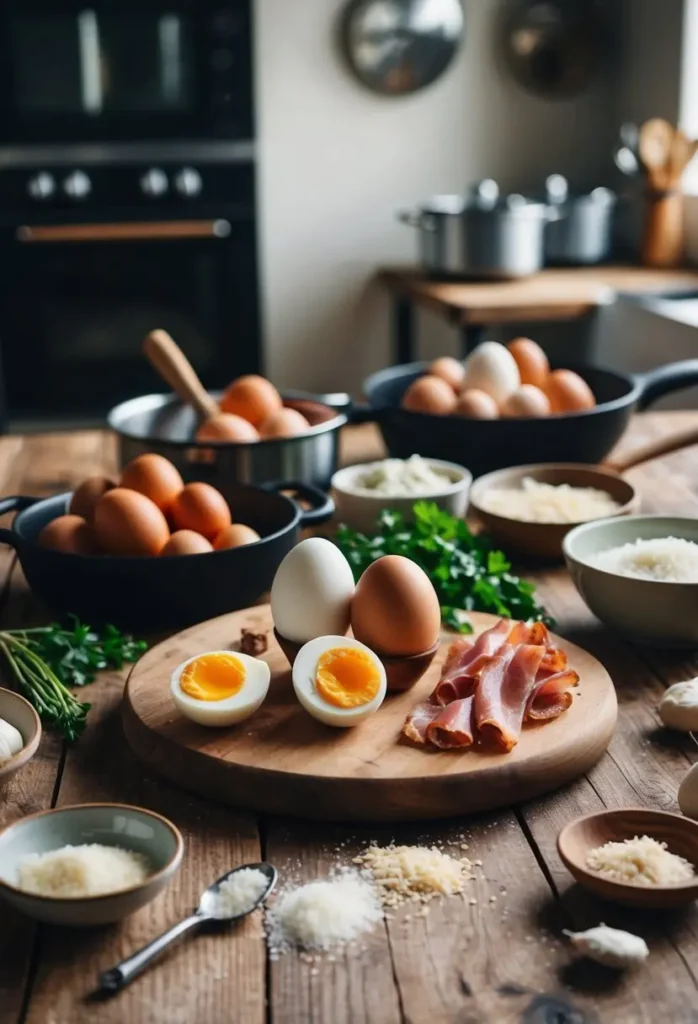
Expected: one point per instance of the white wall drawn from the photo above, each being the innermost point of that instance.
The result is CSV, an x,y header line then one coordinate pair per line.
x,y
336,161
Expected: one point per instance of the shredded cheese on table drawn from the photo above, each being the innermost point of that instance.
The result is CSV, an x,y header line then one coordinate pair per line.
x,y
322,915
639,861
419,873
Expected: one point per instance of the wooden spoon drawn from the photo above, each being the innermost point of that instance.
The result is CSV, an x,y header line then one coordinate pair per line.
x,y
654,147
166,357
679,157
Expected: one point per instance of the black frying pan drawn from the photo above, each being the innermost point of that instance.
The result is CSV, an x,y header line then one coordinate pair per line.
x,y
485,445
149,594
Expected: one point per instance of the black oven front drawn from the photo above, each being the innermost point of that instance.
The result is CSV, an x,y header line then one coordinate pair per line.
x,y
117,71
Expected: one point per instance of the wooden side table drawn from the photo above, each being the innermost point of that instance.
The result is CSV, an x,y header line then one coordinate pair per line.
x,y
473,307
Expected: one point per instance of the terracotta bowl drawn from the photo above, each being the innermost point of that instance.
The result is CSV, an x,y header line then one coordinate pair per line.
x,y
584,834
544,540
19,712
401,673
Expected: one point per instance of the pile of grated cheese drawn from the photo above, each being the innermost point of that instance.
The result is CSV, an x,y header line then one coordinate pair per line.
x,y
662,559
402,873
239,893
639,861
322,915
77,871
538,502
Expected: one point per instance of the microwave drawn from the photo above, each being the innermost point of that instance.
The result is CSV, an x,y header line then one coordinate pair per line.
x,y
114,71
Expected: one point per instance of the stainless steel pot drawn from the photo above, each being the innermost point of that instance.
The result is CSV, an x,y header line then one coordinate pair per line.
x,y
469,237
163,424
583,234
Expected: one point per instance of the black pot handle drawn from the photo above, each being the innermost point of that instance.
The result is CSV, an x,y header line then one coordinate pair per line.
x,y
323,505
362,414
15,503
666,379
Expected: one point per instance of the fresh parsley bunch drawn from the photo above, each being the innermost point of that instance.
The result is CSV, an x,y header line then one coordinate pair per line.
x,y
468,572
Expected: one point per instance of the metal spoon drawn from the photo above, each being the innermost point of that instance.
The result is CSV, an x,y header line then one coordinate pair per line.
x,y
122,974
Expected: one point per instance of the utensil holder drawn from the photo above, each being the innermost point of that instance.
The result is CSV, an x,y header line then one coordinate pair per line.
x,y
663,234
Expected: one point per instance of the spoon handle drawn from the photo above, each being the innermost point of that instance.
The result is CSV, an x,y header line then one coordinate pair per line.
x,y
168,360
122,974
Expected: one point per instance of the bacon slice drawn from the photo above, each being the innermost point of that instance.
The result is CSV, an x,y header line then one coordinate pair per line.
x,y
551,696
465,661
453,727
554,659
418,720
503,693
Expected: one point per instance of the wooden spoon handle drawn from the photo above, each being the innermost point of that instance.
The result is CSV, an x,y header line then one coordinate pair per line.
x,y
653,450
166,357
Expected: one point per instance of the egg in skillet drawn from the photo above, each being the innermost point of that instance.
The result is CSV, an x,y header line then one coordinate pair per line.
x,y
339,680
220,688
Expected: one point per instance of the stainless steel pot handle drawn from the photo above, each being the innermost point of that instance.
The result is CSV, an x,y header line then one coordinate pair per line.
x,y
339,400
416,219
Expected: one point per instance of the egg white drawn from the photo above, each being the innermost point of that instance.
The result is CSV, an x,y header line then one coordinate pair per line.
x,y
305,671
219,713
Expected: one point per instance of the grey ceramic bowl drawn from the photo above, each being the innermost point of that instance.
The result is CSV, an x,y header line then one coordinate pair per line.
x,y
19,712
645,611
131,828
359,508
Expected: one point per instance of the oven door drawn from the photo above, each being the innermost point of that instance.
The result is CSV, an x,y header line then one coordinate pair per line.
x,y
78,298
124,70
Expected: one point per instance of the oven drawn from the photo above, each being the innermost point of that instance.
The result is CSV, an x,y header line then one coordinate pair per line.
x,y
112,252
116,71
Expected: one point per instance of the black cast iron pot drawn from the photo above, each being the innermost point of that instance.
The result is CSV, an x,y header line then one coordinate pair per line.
x,y
149,594
485,445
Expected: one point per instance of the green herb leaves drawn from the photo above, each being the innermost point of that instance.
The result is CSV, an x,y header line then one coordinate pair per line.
x,y
468,573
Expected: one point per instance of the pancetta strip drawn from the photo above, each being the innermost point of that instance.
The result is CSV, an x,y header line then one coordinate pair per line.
x,y
465,661
453,727
418,719
551,695
503,693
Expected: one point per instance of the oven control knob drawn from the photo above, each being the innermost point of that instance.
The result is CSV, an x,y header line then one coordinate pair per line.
x,y
77,185
41,185
154,183
188,182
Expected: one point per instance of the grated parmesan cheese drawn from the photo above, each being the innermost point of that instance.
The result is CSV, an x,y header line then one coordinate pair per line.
x,y
639,861
322,915
402,873
537,502
663,559
239,893
77,871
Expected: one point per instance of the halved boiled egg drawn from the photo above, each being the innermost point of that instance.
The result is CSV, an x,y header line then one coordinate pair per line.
x,y
338,680
220,688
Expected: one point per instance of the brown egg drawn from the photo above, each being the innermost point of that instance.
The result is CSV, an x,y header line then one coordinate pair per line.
x,y
128,523
186,542
70,534
431,395
88,494
395,610
531,360
234,536
227,427
155,477
526,402
201,508
476,405
567,392
284,423
450,370
253,398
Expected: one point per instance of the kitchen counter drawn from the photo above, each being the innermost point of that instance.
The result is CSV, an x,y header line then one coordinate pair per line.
x,y
495,955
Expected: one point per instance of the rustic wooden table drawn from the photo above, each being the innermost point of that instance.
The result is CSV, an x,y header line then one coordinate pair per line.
x,y
472,959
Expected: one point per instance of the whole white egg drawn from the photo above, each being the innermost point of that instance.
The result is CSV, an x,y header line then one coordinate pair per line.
x,y
339,680
312,591
492,368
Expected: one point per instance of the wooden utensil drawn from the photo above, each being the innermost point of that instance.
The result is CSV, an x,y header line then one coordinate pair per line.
x,y
283,761
665,152
581,836
544,540
654,147
167,359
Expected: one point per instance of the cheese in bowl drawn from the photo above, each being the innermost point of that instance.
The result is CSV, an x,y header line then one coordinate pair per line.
x,y
361,492
536,501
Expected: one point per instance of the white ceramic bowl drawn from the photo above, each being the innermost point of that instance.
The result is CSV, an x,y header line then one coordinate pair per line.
x,y
19,712
647,612
359,508
131,828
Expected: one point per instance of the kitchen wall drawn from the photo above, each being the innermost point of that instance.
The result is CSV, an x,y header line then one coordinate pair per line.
x,y
336,161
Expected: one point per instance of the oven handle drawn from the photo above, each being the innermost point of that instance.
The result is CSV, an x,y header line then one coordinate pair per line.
x,y
136,231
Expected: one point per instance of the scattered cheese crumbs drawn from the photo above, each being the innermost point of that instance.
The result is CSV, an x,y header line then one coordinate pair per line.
x,y
76,871
419,873
639,861
322,914
240,892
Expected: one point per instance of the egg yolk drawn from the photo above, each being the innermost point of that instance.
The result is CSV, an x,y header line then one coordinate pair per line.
x,y
213,677
346,677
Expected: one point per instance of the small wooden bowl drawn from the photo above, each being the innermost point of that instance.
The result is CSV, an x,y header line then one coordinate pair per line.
x,y
401,673
544,540
584,834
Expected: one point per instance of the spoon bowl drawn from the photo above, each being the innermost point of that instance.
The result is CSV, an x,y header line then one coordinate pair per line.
x,y
209,906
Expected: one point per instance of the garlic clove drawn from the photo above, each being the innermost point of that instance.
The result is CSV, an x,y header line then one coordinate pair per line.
x,y
11,741
678,708
610,946
688,793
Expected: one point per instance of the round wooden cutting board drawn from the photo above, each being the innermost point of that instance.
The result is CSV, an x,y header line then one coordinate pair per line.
x,y
283,761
